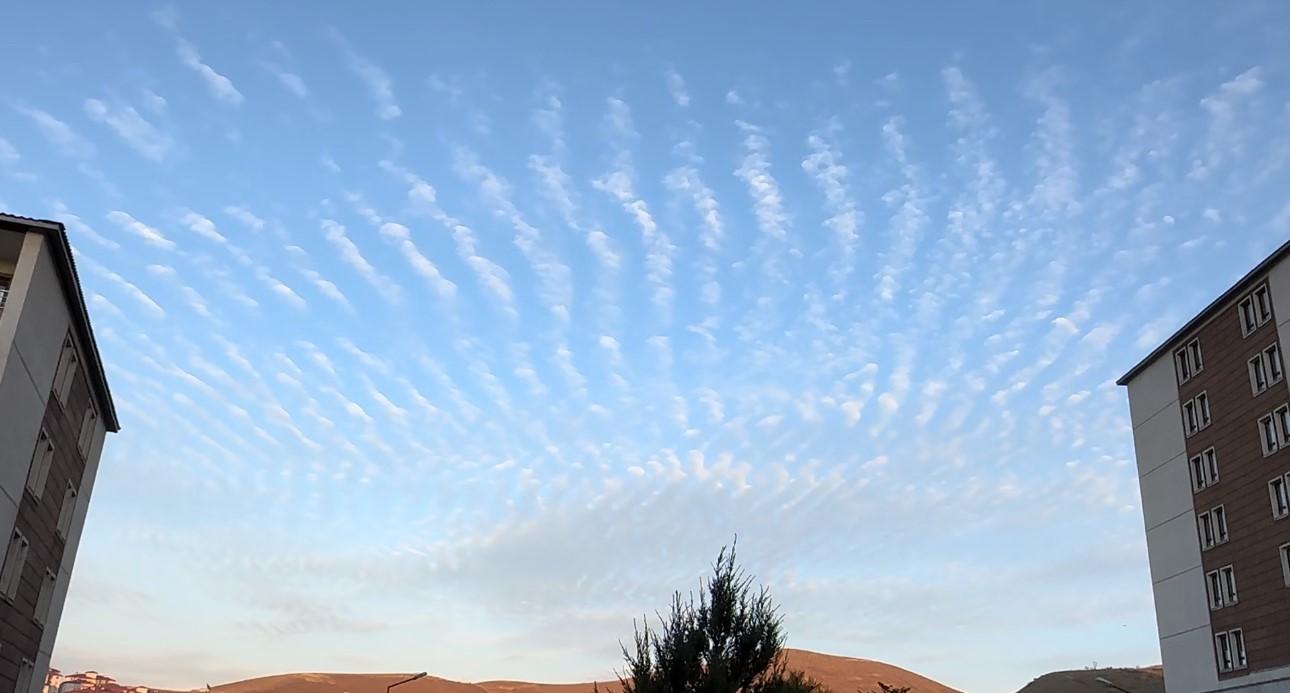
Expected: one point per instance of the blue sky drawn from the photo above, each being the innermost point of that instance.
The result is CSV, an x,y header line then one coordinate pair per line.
x,y
451,338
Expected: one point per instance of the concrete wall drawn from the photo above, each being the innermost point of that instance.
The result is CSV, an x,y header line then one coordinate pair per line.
x,y
55,616
1173,551
33,325
32,328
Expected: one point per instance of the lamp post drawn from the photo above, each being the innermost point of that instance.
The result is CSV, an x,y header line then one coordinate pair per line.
x,y
414,677
1108,684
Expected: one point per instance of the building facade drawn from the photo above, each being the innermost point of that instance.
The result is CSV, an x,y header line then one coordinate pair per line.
x,y
55,411
1210,409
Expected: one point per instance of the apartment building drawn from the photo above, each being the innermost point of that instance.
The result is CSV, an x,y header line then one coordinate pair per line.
x,y
55,411
1211,431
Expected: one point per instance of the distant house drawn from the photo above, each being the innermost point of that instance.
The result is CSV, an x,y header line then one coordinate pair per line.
x,y
55,411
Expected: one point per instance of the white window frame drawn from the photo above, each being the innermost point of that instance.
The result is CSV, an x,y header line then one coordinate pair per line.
x,y
1258,374
1196,417
26,671
67,511
1248,315
89,421
1227,574
42,459
1214,590
1204,470
1270,433
1211,526
65,375
1271,356
15,559
1284,550
1188,361
1229,648
46,598
1262,303
1205,528
1279,496
1285,562
1255,309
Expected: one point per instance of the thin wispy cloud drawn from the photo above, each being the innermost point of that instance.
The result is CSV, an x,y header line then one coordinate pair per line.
x,y
218,85
148,234
138,133
379,85
61,135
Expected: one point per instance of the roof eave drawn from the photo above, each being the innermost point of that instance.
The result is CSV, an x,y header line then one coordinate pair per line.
x,y
1209,311
65,264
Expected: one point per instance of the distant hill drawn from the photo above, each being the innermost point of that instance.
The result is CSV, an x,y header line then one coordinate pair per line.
x,y
1147,680
839,674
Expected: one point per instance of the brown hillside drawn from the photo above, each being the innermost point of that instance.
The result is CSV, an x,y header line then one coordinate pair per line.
x,y
839,674
344,683
1148,680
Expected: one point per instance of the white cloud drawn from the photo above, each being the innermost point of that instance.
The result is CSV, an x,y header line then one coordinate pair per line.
x,y
379,85
495,280
335,234
676,87
659,249
126,122
60,134
554,277
246,217
133,226
401,236
824,164
8,154
202,226
220,87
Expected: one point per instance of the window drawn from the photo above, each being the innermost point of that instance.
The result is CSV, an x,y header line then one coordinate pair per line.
x,y
1274,430
1255,309
46,597
1285,563
1196,413
67,511
42,458
1258,374
4,290
1221,585
1272,356
87,430
1212,525
25,674
14,560
1204,470
1249,318
1188,360
1263,304
1279,492
1214,586
66,373
1230,648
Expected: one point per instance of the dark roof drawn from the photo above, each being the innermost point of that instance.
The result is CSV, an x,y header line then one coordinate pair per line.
x,y
1228,296
61,250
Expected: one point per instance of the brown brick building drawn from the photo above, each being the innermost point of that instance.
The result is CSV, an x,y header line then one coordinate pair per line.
x,y
1211,429
55,411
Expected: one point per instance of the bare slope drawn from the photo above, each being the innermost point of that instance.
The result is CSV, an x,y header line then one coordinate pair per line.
x,y
1148,680
840,674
